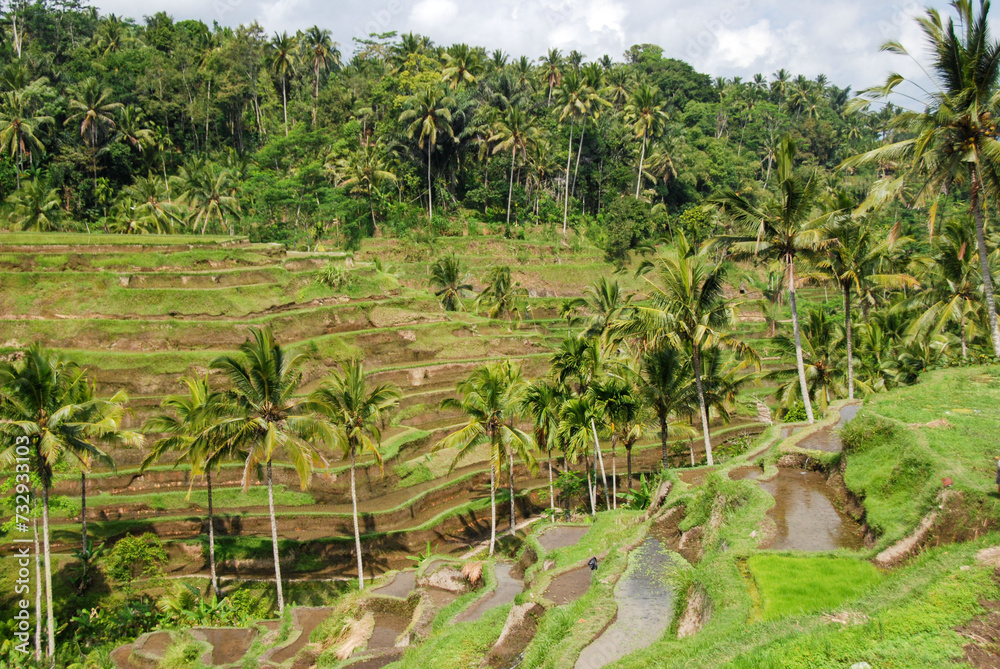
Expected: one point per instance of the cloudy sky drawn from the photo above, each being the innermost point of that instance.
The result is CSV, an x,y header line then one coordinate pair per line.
x,y
720,37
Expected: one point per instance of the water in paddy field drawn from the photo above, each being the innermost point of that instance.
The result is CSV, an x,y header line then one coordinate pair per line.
x,y
402,584
645,602
805,515
561,536
827,439
507,588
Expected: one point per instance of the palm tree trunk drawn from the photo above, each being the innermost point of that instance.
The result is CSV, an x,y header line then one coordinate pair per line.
x,y
663,446
38,593
691,448
803,386
701,404
600,458
850,341
614,475
315,91
628,460
274,539
493,507
642,159
510,189
579,150
569,158
83,524
284,104
510,473
50,623
211,535
984,261
961,334
430,193
552,490
357,533
590,485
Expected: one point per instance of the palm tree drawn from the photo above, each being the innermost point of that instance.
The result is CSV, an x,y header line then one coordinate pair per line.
x,y
954,293
447,280
132,129
645,111
607,302
953,140
48,411
491,398
208,190
514,133
688,308
323,54
855,262
283,61
822,342
502,296
364,171
268,419
576,100
18,130
152,204
36,206
427,113
577,359
354,411
541,403
552,70
664,381
782,227
461,65
185,425
625,413
578,418
94,111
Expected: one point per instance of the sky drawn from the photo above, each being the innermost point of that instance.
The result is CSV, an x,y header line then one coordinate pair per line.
x,y
839,38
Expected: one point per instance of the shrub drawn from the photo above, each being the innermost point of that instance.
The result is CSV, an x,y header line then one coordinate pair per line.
x,y
136,557
795,413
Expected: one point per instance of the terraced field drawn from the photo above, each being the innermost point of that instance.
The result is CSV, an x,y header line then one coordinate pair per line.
x,y
139,317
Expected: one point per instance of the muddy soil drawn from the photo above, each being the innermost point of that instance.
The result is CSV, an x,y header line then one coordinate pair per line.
x,y
401,585
120,656
388,627
645,608
561,536
788,431
695,477
828,439
375,662
507,588
306,620
806,514
745,473
569,586
228,645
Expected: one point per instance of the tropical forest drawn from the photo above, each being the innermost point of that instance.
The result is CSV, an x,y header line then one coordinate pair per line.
x,y
397,353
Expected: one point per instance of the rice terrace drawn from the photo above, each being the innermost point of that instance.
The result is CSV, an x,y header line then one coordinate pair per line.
x,y
401,352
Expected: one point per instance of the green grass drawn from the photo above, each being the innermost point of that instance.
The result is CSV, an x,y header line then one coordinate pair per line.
x,y
897,467
84,239
223,499
791,585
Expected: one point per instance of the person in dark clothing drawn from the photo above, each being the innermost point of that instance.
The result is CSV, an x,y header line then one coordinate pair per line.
x,y
997,480
593,561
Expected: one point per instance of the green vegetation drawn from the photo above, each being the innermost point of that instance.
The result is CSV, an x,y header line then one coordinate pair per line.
x,y
790,585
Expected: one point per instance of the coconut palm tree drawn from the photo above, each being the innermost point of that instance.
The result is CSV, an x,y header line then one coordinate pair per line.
x,y
284,59
551,68
577,359
576,101
267,419
541,402
48,410
94,112
447,280
185,424
646,113
624,411
953,139
36,206
152,204
209,192
502,296
364,171
461,66
822,344
491,397
783,227
663,381
428,114
132,129
855,261
323,55
578,420
355,410
687,308
607,302
515,133
19,130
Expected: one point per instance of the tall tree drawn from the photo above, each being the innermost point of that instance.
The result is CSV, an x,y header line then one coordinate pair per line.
x,y
268,420
782,226
355,411
491,398
323,55
447,280
428,114
94,111
953,140
284,58
541,403
515,133
646,113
